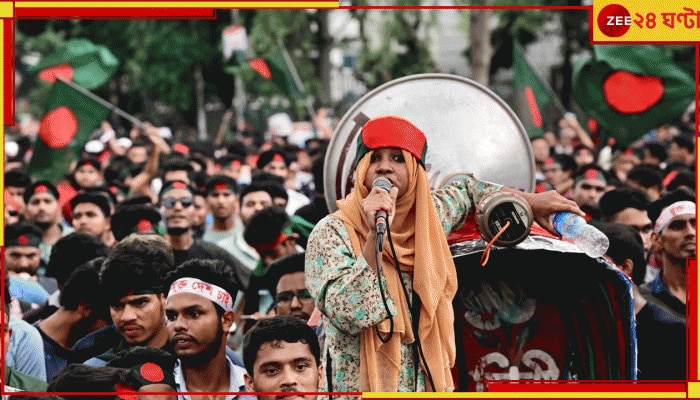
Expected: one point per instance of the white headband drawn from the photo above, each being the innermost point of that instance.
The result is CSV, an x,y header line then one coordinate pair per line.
x,y
204,289
684,207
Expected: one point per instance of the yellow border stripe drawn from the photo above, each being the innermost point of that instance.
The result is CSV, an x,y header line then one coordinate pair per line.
x,y
6,9
163,4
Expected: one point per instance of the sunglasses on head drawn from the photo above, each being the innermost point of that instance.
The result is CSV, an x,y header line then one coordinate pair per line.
x,y
286,297
169,202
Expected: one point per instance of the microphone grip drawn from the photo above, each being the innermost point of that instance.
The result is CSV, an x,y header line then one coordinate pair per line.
x,y
380,221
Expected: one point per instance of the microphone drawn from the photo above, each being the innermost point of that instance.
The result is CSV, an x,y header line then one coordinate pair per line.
x,y
380,218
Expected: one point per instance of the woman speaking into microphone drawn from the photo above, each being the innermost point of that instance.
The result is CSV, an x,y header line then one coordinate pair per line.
x,y
388,303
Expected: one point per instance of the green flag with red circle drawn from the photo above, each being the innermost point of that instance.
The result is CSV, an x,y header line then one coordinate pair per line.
x,y
533,101
631,89
64,129
78,60
270,68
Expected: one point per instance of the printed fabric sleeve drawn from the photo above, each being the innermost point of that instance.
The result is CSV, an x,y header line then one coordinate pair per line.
x,y
455,201
344,287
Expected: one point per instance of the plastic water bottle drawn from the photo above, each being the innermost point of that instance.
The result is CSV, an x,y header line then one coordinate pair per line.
x,y
587,237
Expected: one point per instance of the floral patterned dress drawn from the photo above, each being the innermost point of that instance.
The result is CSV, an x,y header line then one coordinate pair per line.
x,y
346,289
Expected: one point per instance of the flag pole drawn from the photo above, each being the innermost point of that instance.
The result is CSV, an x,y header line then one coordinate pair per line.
x,y
295,76
103,102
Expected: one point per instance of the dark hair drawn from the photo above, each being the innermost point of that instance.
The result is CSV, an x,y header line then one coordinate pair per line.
x,y
684,142
127,216
176,163
142,354
618,199
288,264
256,186
275,184
667,199
237,148
566,161
646,175
29,228
317,171
85,378
97,198
582,170
657,150
625,242
211,271
138,262
138,355
17,178
83,285
72,251
265,226
684,177
281,328
119,167
217,179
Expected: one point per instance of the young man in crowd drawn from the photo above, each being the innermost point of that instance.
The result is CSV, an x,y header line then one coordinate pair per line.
x,y
199,313
273,161
590,183
286,280
674,218
42,208
131,281
282,354
81,310
628,205
67,254
253,198
270,233
91,213
16,182
177,200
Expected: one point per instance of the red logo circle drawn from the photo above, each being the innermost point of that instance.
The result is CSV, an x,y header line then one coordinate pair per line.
x,y
152,372
23,240
614,20
144,225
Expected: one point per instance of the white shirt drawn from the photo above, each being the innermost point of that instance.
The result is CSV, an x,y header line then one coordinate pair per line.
x,y
236,382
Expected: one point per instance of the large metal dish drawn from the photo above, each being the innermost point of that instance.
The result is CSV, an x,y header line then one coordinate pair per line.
x,y
468,127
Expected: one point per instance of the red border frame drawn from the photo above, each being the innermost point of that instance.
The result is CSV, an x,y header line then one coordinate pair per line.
x,y
207,13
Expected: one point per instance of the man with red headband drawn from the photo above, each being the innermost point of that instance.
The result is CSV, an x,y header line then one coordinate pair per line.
x,y
366,349
199,311
673,241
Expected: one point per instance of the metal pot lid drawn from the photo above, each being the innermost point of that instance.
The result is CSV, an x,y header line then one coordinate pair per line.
x,y
469,129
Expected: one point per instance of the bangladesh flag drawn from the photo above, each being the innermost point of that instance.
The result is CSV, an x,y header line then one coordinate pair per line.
x,y
80,61
631,89
65,128
271,68
534,102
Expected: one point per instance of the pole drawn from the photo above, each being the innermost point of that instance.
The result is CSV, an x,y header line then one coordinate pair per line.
x,y
295,76
238,101
104,102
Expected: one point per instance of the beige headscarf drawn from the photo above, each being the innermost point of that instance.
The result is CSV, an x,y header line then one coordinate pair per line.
x,y
421,248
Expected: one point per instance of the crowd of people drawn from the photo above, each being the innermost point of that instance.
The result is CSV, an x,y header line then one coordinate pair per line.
x,y
172,267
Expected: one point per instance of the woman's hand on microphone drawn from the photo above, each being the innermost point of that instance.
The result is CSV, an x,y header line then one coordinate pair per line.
x,y
379,199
